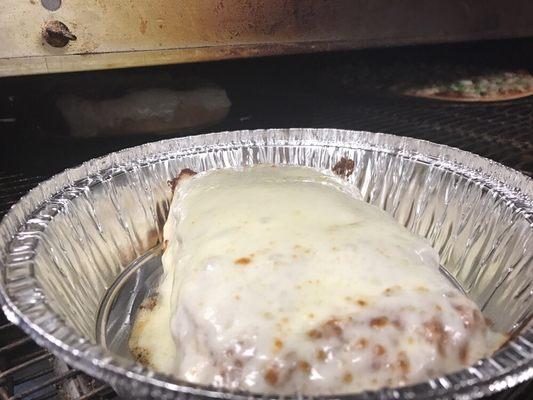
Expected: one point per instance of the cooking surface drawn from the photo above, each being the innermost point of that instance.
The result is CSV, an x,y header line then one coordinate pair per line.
x,y
265,93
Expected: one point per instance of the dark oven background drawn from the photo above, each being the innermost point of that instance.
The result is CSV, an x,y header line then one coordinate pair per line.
x,y
293,91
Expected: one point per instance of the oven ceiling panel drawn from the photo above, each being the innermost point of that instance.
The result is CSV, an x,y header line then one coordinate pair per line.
x,y
38,35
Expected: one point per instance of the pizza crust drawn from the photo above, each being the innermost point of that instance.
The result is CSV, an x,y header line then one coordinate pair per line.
x,y
483,99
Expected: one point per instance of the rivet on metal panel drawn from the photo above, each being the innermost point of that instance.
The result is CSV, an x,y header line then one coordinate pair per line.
x,y
51,5
57,34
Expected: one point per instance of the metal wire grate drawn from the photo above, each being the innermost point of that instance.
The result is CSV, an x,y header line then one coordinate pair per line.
x,y
26,370
12,187
30,372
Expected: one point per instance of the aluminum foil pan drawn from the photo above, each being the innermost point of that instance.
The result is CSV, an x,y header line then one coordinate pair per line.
x,y
64,244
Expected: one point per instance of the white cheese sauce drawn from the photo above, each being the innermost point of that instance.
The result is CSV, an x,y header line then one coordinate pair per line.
x,y
282,280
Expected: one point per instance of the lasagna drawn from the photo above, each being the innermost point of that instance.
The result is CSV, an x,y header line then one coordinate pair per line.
x,y
281,279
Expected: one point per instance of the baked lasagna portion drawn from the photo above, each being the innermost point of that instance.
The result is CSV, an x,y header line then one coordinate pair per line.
x,y
282,280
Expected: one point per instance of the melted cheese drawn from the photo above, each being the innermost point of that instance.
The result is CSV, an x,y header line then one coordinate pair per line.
x,y
281,279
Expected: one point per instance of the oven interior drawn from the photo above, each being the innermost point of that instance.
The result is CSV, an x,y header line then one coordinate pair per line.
x,y
315,90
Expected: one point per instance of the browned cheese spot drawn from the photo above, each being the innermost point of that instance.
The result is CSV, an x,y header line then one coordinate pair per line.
x,y
361,344
229,353
463,353
344,168
362,303
403,363
397,324
434,333
304,366
272,375
469,316
347,377
321,355
149,303
392,290
379,350
141,355
314,334
278,344
243,261
332,328
328,329
379,322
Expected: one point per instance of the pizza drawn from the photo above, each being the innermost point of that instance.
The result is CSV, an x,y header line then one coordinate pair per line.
x,y
492,86
435,81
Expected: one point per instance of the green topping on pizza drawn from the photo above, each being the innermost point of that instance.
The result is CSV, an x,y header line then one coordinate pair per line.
x,y
449,82
492,85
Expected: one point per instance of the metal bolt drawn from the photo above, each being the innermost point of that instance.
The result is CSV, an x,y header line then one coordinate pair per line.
x,y
51,5
57,34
